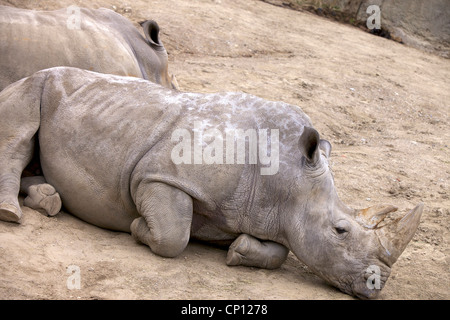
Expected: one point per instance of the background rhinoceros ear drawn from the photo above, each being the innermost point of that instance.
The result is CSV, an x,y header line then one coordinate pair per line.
x,y
151,31
309,144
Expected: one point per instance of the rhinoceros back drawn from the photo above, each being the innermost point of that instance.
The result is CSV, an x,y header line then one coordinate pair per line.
x,y
32,41
101,135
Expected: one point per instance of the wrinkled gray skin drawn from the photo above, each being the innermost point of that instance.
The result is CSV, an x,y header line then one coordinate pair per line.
x,y
106,42
105,146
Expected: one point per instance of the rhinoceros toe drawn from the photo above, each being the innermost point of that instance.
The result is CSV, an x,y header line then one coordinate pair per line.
x,y
9,213
238,250
43,198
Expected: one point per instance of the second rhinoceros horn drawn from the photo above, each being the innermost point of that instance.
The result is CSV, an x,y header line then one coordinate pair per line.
x,y
372,216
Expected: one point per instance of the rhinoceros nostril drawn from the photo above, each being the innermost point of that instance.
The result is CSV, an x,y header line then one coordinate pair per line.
x,y
373,277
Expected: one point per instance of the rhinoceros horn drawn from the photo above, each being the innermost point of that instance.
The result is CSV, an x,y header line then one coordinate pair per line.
x,y
395,236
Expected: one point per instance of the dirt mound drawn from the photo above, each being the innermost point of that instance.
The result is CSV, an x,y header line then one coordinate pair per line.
x,y
419,24
384,107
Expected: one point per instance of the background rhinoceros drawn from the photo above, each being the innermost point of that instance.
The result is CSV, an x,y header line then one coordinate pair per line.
x,y
151,162
100,40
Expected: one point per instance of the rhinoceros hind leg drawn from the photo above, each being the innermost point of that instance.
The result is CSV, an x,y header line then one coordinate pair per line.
x,y
166,219
41,196
251,252
19,122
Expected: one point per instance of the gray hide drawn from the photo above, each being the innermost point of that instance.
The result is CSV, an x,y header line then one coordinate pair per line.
x,y
93,39
126,154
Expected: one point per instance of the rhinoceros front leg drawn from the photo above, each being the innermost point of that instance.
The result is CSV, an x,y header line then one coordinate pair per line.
x,y
251,252
165,224
41,196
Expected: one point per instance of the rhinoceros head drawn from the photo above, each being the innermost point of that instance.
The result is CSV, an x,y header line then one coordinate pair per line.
x,y
161,74
348,248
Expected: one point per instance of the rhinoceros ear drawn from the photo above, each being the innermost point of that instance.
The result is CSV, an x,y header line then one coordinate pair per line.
x,y
151,31
325,146
309,144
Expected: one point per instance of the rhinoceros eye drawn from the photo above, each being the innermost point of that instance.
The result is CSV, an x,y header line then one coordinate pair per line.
x,y
340,230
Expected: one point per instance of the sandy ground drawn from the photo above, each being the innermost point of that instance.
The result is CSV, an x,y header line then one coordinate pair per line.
x,y
384,107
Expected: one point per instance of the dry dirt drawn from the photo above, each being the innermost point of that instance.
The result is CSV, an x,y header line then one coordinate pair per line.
x,y
384,107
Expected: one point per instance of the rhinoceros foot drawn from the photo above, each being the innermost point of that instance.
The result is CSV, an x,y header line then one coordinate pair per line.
x,y
9,212
43,198
249,251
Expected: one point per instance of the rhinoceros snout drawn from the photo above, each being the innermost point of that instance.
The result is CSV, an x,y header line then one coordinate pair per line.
x,y
369,284
365,293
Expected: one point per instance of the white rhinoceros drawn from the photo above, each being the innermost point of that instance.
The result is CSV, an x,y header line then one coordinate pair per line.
x,y
129,155
99,40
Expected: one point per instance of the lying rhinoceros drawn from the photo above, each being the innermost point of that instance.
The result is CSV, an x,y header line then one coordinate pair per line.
x,y
94,39
230,168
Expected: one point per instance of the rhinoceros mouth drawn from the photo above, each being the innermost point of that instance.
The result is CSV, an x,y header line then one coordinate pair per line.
x,y
370,282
